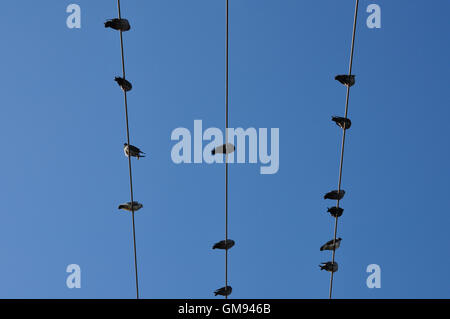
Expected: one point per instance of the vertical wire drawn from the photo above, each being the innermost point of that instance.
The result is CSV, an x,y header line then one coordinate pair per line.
x,y
226,156
129,159
341,163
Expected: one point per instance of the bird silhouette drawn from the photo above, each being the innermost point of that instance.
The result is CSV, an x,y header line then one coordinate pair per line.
x,y
224,291
343,122
336,211
118,24
335,195
123,83
135,152
347,80
223,149
127,206
330,246
224,244
329,266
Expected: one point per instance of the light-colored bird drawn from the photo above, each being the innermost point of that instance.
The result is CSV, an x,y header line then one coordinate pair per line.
x,y
343,122
118,24
347,80
127,206
330,245
224,291
224,244
223,149
135,151
336,211
335,195
123,83
329,266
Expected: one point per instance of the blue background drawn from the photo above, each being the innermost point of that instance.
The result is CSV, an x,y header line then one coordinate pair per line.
x,y
63,172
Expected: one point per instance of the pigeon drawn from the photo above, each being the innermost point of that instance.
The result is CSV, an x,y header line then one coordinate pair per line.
x,y
224,291
329,245
224,244
335,211
336,195
343,122
124,84
329,266
118,24
222,149
135,152
127,206
347,80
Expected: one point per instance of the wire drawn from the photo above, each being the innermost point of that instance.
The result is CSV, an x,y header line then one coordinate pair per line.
x,y
226,157
343,143
129,158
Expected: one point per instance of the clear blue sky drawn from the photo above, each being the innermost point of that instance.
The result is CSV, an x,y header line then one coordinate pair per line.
x,y
63,172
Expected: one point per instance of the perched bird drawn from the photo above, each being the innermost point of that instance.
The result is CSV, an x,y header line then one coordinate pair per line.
x,y
343,122
127,206
329,266
118,24
335,211
124,84
135,152
336,195
224,244
222,149
347,80
329,245
224,291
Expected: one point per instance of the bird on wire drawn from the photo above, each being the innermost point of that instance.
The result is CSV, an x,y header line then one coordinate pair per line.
x,y
123,83
118,24
336,211
342,122
223,149
335,195
133,150
127,206
347,80
329,245
329,266
224,244
224,291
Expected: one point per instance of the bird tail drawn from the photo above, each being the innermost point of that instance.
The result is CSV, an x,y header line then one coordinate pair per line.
x,y
321,248
122,206
107,24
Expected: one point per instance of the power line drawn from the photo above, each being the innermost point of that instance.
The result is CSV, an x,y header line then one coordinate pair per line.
x,y
129,156
226,154
343,144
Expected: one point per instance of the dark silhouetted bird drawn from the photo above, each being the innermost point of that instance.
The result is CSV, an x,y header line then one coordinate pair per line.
x,y
124,84
348,80
224,244
335,211
224,291
222,149
118,24
336,195
329,266
127,206
343,122
329,245
135,152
